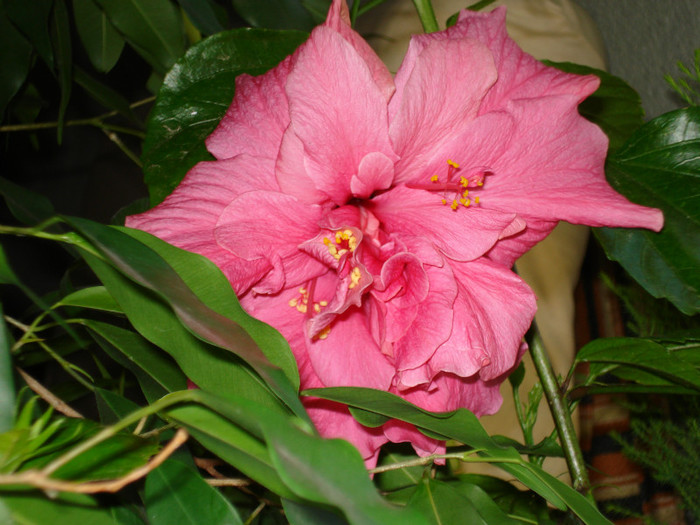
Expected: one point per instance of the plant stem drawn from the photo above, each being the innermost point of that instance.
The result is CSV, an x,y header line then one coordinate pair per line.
x,y
560,412
426,15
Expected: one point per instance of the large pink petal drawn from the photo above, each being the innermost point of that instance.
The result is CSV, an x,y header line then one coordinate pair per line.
x,y
270,225
462,234
257,117
339,20
492,312
440,96
337,111
563,178
187,217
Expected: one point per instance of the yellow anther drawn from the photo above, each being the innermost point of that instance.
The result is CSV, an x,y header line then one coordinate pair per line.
x,y
444,201
480,183
302,291
324,333
302,308
466,203
355,277
464,182
454,204
323,303
293,302
453,163
463,202
317,307
465,193
434,178
476,200
326,241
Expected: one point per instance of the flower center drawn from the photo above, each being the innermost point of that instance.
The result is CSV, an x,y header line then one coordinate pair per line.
x,y
458,186
344,242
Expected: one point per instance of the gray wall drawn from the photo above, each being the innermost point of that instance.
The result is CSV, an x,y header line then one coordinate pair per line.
x,y
644,40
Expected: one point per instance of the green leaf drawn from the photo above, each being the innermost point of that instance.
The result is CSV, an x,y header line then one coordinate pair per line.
x,y
196,94
26,206
140,357
152,27
32,19
16,60
60,36
275,14
7,383
105,95
399,478
659,166
442,505
113,407
304,514
463,426
95,298
7,274
615,106
101,40
644,354
203,14
175,493
64,509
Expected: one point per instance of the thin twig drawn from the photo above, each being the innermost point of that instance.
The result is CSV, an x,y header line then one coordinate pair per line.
x,y
48,396
228,482
40,480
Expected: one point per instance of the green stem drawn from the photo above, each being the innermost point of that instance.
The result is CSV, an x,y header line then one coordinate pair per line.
x,y
426,15
560,413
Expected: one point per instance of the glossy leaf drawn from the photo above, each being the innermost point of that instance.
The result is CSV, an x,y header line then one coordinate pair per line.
x,y
95,298
152,27
145,267
275,14
112,407
64,509
175,493
63,55
32,19
644,354
660,166
16,60
138,355
615,106
463,426
442,505
7,383
196,94
100,39
28,207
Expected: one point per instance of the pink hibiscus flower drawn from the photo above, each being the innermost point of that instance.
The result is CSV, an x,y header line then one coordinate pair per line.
x,y
373,221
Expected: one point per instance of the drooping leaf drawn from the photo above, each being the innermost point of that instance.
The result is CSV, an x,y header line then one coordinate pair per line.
x,y
615,106
275,14
101,40
63,55
16,60
26,206
659,166
32,19
196,94
105,95
152,27
95,297
175,493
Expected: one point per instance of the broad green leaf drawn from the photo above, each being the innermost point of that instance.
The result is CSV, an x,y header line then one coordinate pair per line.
x,y
136,354
7,383
645,354
32,19
152,27
400,478
175,493
275,14
95,298
442,505
158,281
196,94
105,95
659,166
64,509
304,514
63,55
101,40
112,407
26,206
615,106
16,60
463,426
204,15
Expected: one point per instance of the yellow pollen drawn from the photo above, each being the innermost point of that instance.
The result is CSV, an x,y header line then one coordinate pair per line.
x,y
444,201
466,203
355,276
317,307
453,163
480,183
454,204
323,303
476,200
434,178
324,333
293,302
301,302
465,193
464,182
344,241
